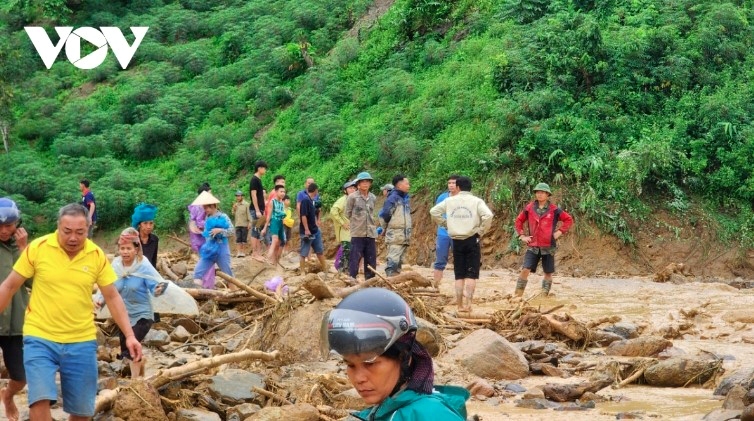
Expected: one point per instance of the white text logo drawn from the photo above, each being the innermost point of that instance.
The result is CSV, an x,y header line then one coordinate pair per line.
x,y
106,35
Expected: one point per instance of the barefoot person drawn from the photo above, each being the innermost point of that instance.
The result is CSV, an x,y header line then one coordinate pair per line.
x,y
13,240
137,281
342,227
217,229
468,219
374,331
59,334
542,218
443,243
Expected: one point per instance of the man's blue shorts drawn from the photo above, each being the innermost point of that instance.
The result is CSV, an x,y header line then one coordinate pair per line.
x,y
77,364
315,243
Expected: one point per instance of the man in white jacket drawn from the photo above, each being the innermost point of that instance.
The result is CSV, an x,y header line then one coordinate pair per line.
x,y
468,219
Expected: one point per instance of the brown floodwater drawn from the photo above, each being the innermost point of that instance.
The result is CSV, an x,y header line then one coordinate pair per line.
x,y
651,305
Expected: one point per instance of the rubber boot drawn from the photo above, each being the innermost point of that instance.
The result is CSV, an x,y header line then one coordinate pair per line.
x,y
546,285
520,287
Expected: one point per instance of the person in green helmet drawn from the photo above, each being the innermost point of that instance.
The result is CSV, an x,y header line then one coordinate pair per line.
x,y
546,223
374,331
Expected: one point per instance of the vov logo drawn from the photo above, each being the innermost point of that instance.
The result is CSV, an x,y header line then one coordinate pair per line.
x,y
106,35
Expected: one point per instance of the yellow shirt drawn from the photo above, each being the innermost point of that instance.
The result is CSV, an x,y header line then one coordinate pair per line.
x,y
60,309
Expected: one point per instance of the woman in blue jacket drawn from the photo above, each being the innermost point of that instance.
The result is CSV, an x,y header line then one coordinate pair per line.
x,y
137,282
374,331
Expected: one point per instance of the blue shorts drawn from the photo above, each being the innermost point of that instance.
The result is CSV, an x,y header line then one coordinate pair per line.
x,y
443,245
315,244
77,364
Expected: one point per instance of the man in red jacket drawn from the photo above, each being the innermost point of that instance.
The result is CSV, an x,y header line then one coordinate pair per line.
x,y
543,218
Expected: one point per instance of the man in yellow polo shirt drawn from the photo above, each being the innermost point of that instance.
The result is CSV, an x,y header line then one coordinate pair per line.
x,y
59,330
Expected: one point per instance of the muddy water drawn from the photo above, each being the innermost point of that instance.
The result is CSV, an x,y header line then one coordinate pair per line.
x,y
644,303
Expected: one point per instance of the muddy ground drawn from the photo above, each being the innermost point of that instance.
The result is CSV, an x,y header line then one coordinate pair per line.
x,y
700,318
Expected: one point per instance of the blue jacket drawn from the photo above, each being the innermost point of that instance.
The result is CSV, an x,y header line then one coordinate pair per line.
x,y
447,403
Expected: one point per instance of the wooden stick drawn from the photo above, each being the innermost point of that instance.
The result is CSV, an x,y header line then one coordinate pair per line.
x,y
271,395
475,321
161,378
245,287
631,378
180,240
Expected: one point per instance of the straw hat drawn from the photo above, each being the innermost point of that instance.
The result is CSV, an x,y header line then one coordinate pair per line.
x,y
205,198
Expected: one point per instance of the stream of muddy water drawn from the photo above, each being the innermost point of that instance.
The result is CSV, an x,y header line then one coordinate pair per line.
x,y
717,312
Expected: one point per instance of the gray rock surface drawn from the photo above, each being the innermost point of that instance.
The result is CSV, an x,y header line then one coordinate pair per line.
x,y
486,354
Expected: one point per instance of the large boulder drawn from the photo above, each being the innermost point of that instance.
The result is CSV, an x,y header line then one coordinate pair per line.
x,y
297,333
678,372
486,354
297,412
645,346
735,398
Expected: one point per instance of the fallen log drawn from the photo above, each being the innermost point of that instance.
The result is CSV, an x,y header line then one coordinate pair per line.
x,y
317,287
106,397
245,287
570,328
271,395
163,266
414,278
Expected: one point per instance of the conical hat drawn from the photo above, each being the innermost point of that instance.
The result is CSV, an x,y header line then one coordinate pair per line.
x,y
205,198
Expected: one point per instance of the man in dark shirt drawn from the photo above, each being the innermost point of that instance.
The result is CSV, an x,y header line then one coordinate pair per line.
x,y
256,208
311,236
87,200
143,221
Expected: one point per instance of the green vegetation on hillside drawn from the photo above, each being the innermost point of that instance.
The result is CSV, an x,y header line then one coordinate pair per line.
x,y
625,106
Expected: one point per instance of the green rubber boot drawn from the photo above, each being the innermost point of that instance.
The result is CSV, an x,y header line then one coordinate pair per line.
x,y
520,287
546,285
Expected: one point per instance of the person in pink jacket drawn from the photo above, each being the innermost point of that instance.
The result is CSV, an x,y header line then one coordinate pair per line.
x,y
546,223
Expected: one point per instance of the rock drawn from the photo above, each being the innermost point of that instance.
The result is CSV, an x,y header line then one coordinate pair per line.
x,y
156,338
676,372
139,402
742,316
605,338
748,413
428,336
631,415
233,344
592,397
534,393
742,377
180,334
179,269
486,354
645,346
107,383
481,387
196,415
735,398
216,350
187,324
552,371
624,330
349,399
229,329
243,411
233,386
177,363
749,397
295,338
722,415
536,404
516,388
297,412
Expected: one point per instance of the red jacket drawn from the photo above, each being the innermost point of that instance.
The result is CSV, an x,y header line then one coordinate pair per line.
x,y
543,228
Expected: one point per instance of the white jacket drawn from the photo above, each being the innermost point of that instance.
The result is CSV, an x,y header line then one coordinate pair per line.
x,y
467,215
